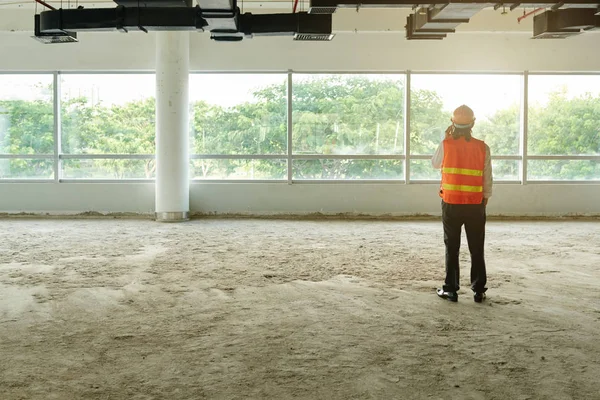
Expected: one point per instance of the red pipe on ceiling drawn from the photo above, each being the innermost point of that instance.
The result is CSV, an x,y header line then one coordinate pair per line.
x,y
528,14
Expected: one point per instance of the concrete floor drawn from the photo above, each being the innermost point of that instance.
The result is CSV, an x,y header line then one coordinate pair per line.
x,y
237,309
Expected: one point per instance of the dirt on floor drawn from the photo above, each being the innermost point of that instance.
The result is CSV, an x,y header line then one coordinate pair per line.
x,y
277,309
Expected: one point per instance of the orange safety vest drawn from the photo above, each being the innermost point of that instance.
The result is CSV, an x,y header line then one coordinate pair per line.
x,y
462,171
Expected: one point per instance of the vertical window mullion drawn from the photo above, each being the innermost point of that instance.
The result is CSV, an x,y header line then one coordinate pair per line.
x,y
524,123
407,128
289,128
57,126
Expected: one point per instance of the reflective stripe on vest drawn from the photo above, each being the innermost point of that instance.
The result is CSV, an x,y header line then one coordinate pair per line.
x,y
462,171
463,188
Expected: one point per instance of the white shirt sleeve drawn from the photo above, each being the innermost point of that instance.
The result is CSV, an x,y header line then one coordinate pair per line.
x,y
488,179
438,157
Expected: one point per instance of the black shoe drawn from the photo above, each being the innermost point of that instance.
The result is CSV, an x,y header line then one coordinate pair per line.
x,y
478,297
451,296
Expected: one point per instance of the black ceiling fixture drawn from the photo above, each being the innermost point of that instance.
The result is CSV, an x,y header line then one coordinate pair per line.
x,y
562,24
436,20
222,18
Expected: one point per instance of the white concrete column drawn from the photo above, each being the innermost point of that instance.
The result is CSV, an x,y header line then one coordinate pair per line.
x,y
172,140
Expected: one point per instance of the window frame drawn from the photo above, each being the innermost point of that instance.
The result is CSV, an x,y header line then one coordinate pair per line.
x,y
524,143
4,156
60,156
522,158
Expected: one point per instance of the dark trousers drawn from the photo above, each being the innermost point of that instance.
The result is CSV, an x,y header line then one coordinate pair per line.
x,y
473,217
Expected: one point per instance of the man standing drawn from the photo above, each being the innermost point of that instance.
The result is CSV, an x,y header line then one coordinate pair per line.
x,y
466,187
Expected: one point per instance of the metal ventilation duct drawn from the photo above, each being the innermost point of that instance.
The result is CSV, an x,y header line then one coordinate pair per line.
x,y
413,33
561,24
286,24
220,17
52,37
223,20
436,20
435,23
332,5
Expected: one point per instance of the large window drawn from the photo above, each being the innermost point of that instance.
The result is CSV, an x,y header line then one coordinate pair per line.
x,y
564,127
238,126
299,127
357,119
26,127
495,99
106,119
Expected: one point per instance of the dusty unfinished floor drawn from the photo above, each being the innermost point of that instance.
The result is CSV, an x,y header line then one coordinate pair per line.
x,y
238,309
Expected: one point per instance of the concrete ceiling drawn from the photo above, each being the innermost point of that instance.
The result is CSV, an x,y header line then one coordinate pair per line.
x,y
17,15
14,18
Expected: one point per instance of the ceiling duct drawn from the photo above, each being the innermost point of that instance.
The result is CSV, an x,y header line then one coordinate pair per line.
x,y
220,17
52,36
330,6
453,14
435,23
436,20
223,20
122,19
413,33
301,26
426,19
561,24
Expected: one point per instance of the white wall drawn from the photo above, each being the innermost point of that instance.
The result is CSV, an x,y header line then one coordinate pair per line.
x,y
387,199
298,199
468,50
66,198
